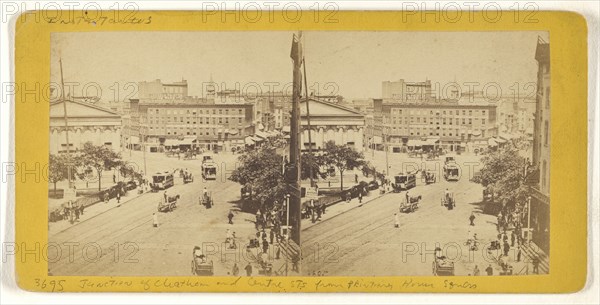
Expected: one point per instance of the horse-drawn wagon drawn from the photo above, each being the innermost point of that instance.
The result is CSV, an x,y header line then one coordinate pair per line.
x,y
169,205
410,204
200,264
441,265
448,200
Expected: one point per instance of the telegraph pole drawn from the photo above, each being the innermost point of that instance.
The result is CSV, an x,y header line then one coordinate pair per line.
x,y
66,118
293,178
310,169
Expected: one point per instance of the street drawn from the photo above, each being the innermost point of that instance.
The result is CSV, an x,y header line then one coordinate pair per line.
x,y
130,245
363,241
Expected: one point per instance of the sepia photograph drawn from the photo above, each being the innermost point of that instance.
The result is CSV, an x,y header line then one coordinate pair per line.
x,y
311,153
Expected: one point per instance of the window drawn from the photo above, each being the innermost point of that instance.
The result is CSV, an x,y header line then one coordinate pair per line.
x,y
463,121
239,120
470,121
544,169
546,133
220,120
214,111
444,121
470,112
547,97
482,121
456,112
464,112
483,112
239,111
444,112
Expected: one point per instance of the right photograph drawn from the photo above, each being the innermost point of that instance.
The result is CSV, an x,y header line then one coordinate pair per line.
x,y
442,169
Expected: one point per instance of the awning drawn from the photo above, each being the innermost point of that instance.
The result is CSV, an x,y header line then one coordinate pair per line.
x,y
257,139
249,141
492,142
500,140
261,134
377,140
171,142
414,143
476,133
187,141
232,132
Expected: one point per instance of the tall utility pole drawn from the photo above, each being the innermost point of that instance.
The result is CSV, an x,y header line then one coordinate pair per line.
x,y
62,97
293,178
310,169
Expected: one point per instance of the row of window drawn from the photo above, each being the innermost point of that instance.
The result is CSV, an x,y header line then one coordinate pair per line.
x,y
181,131
194,111
200,120
430,132
436,112
399,121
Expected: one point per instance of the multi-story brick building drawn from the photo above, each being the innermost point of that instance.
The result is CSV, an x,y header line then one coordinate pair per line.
x,y
447,123
540,201
164,111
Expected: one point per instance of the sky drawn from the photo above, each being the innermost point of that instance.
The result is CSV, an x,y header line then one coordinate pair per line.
x,y
351,64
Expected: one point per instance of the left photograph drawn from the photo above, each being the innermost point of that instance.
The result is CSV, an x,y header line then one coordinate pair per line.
x,y
154,144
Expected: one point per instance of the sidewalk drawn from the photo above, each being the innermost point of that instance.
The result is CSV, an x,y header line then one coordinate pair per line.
x,y
90,212
339,207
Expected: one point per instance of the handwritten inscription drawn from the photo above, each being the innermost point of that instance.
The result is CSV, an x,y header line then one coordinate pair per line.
x,y
259,283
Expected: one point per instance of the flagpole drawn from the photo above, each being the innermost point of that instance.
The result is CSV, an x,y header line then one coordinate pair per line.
x,y
310,166
294,182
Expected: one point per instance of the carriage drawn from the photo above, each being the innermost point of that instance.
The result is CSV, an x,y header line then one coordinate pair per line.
x,y
448,200
187,177
169,205
429,177
189,154
200,264
410,205
441,265
206,200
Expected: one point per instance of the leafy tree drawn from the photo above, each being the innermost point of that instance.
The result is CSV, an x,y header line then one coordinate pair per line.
x,y
503,173
57,169
128,170
100,158
261,170
343,158
315,161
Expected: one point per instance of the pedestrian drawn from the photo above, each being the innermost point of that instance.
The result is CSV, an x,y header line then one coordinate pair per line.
x,y
154,220
355,178
81,208
323,206
118,197
106,197
396,220
536,265
277,252
114,178
512,238
472,219
360,197
230,216
407,197
248,269
271,236
519,255
489,270
329,183
235,270
506,248
476,271
265,245
76,209
165,196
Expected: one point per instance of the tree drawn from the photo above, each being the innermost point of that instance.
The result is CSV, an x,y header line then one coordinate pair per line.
x,y
262,170
504,173
57,169
100,158
315,161
128,170
343,158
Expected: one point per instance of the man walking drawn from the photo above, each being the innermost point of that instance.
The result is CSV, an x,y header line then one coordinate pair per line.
x,y
154,220
248,269
489,270
396,220
472,219
519,255
360,197
476,271
512,238
230,216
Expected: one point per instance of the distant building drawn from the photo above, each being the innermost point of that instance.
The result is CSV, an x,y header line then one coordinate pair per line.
x,y
540,201
444,123
157,91
331,122
86,123
406,91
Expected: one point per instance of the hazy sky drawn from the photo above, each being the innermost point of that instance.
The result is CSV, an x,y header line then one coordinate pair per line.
x,y
357,62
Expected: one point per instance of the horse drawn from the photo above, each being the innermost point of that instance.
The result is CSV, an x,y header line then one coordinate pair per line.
x,y
414,199
173,198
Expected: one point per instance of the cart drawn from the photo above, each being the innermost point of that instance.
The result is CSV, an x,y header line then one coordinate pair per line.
x,y
206,200
188,177
169,205
441,265
200,264
429,177
411,205
448,201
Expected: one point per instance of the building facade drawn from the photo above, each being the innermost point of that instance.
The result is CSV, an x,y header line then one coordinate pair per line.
x,y
85,123
331,122
456,126
406,91
540,201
